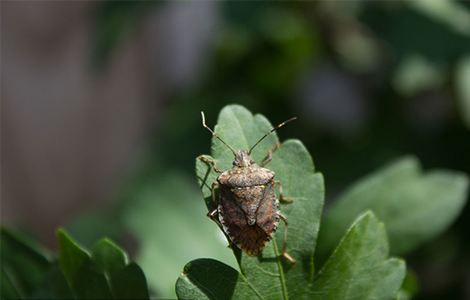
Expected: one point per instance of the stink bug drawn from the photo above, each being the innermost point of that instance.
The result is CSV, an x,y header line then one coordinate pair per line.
x,y
247,208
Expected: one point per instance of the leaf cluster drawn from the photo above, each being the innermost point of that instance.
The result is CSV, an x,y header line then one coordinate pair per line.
x,y
104,272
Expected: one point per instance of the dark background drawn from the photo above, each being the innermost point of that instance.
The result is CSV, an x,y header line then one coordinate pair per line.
x,y
100,119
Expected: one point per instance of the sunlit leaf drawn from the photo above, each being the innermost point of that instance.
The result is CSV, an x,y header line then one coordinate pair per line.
x,y
359,268
414,205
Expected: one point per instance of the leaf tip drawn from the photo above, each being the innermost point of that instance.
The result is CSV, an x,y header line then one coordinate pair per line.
x,y
366,216
235,107
107,242
63,238
61,232
400,266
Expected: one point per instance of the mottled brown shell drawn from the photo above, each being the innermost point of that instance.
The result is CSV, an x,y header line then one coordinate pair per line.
x,y
248,208
246,176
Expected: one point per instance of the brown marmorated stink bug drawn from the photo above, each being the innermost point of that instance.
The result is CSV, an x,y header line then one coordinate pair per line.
x,y
247,208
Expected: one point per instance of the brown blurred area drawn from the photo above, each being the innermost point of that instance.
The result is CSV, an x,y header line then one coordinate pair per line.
x,y
70,135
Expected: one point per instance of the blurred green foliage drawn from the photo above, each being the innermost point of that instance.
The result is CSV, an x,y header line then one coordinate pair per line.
x,y
29,272
24,264
402,55
403,198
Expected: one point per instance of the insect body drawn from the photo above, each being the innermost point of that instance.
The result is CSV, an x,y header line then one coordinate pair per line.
x,y
247,207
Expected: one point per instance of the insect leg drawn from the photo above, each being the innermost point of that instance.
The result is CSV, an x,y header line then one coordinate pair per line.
x,y
210,162
213,212
283,198
284,243
269,156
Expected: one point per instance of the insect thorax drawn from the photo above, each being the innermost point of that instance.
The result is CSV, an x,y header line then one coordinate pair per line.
x,y
245,173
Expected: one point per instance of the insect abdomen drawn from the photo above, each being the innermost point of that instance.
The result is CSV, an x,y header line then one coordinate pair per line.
x,y
249,215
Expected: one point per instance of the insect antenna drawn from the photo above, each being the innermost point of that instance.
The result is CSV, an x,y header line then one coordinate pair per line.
x,y
214,134
271,131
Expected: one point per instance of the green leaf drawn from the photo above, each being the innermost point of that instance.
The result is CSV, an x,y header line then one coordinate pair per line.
x,y
210,279
108,256
24,264
55,286
127,281
85,278
359,268
105,274
294,168
268,276
27,272
130,283
7,288
71,257
415,206
91,283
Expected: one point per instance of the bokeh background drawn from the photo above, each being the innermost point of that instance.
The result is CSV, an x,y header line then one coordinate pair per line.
x,y
100,106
